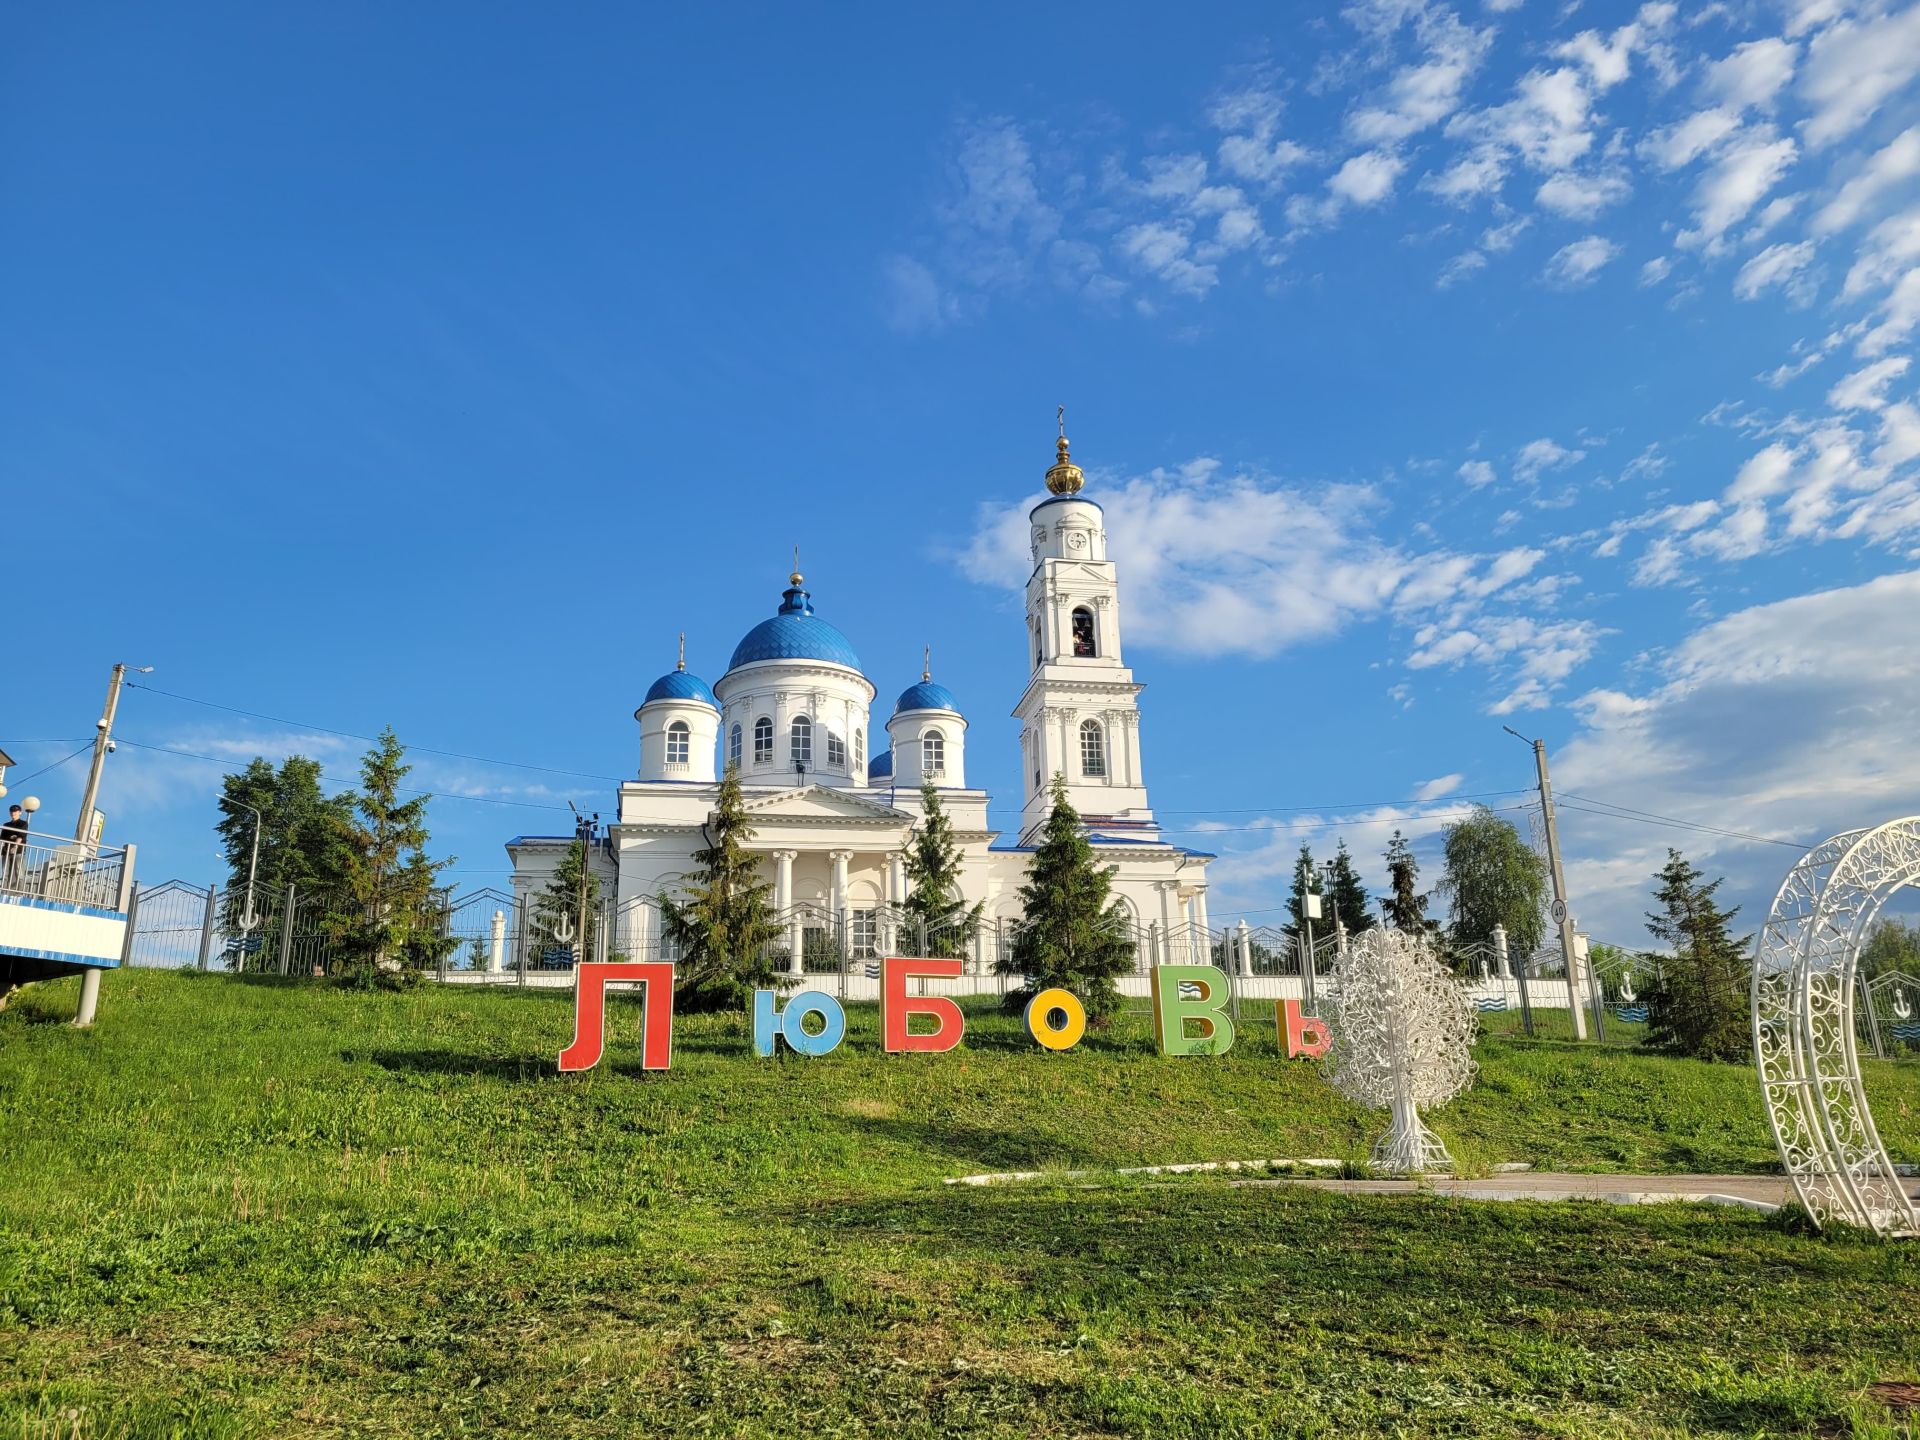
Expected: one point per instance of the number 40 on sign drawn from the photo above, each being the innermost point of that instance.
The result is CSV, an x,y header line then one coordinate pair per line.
x,y
1197,1024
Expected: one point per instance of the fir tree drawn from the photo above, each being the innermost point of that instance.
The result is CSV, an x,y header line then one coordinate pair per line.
x,y
1347,895
556,909
1700,1006
1306,881
934,898
1405,908
388,922
1071,936
725,926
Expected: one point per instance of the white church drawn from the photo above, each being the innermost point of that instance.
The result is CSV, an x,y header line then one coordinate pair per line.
x,y
834,807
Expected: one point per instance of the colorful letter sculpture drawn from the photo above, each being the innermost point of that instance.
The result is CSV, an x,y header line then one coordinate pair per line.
x,y
1039,1019
1209,1012
1306,1036
771,1025
896,1006
589,1013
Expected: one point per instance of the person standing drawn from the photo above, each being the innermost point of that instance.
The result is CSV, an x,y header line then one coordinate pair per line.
x,y
13,849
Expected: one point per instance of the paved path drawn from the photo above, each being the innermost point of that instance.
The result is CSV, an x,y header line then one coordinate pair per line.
x,y
1759,1192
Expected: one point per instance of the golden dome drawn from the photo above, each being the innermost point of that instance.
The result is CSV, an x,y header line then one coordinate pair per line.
x,y
1065,477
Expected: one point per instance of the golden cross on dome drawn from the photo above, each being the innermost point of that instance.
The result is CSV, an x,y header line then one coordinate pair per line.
x,y
1063,422
796,577
926,663
683,651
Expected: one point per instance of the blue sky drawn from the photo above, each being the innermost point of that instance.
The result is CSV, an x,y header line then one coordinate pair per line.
x,y
1440,367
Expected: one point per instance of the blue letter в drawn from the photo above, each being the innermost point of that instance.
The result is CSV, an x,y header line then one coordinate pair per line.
x,y
790,1024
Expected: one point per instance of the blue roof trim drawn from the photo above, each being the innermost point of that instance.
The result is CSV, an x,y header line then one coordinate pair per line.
x,y
926,695
881,766
65,907
680,685
61,957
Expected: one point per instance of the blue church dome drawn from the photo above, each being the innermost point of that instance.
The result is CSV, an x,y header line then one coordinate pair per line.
x,y
680,685
925,696
881,766
796,633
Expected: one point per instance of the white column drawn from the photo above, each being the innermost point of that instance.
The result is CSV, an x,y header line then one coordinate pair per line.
x,y
1500,952
896,896
839,901
1206,934
497,955
1166,889
783,902
1245,947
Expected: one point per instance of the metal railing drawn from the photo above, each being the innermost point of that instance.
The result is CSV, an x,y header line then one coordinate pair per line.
x,y
63,870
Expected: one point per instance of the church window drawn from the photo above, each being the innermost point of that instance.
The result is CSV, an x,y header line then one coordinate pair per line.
x,y
1039,653
1093,750
1083,646
733,746
863,934
802,741
859,749
933,753
762,741
679,742
836,751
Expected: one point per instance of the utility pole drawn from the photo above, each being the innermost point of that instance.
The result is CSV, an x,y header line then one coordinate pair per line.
x,y
1562,916
83,827
102,743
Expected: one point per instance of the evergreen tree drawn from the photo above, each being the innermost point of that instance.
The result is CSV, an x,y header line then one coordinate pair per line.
x,y
725,926
556,909
388,921
1700,1006
303,832
1405,908
934,898
1306,881
1071,935
1492,877
1347,897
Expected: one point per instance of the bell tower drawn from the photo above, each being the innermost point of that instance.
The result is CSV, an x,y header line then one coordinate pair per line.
x,y
1080,713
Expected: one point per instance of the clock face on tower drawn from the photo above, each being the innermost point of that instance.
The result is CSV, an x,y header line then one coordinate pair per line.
x,y
1077,540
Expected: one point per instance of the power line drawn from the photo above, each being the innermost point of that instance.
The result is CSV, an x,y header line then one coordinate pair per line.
x,y
55,765
1625,812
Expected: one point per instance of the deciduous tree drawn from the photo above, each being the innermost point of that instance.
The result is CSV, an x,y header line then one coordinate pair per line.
x,y
1492,877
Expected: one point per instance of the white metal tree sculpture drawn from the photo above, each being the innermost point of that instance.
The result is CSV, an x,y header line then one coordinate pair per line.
x,y
1402,1031
1804,1041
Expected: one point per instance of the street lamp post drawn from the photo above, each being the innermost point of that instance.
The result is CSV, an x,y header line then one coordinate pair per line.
x,y
1562,915
249,917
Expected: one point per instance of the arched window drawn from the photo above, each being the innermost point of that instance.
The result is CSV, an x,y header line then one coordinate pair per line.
x,y
859,749
733,746
762,741
836,751
933,753
1093,749
679,742
1039,653
802,741
1083,632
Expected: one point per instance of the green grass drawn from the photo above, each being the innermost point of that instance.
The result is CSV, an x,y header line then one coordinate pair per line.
x,y
239,1208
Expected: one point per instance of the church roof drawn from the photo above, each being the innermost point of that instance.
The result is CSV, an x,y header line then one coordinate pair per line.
x,y
796,633
926,695
680,685
881,766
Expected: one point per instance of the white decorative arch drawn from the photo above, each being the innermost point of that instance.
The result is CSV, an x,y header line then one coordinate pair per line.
x,y
1805,1044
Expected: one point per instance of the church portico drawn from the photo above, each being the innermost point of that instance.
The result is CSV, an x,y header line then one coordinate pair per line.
x,y
834,809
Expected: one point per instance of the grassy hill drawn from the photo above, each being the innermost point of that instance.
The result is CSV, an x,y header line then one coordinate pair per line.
x,y
243,1207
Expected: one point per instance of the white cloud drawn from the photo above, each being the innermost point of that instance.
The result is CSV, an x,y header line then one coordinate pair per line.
x,y
1546,123
913,301
1754,73
1855,66
1747,169
1656,270
1468,262
1252,147
1536,457
1367,178
1162,249
1438,789
1678,146
1581,197
1865,389
1576,264
1476,473
1835,752
1421,95
1900,160
1781,266
1477,173
1764,474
